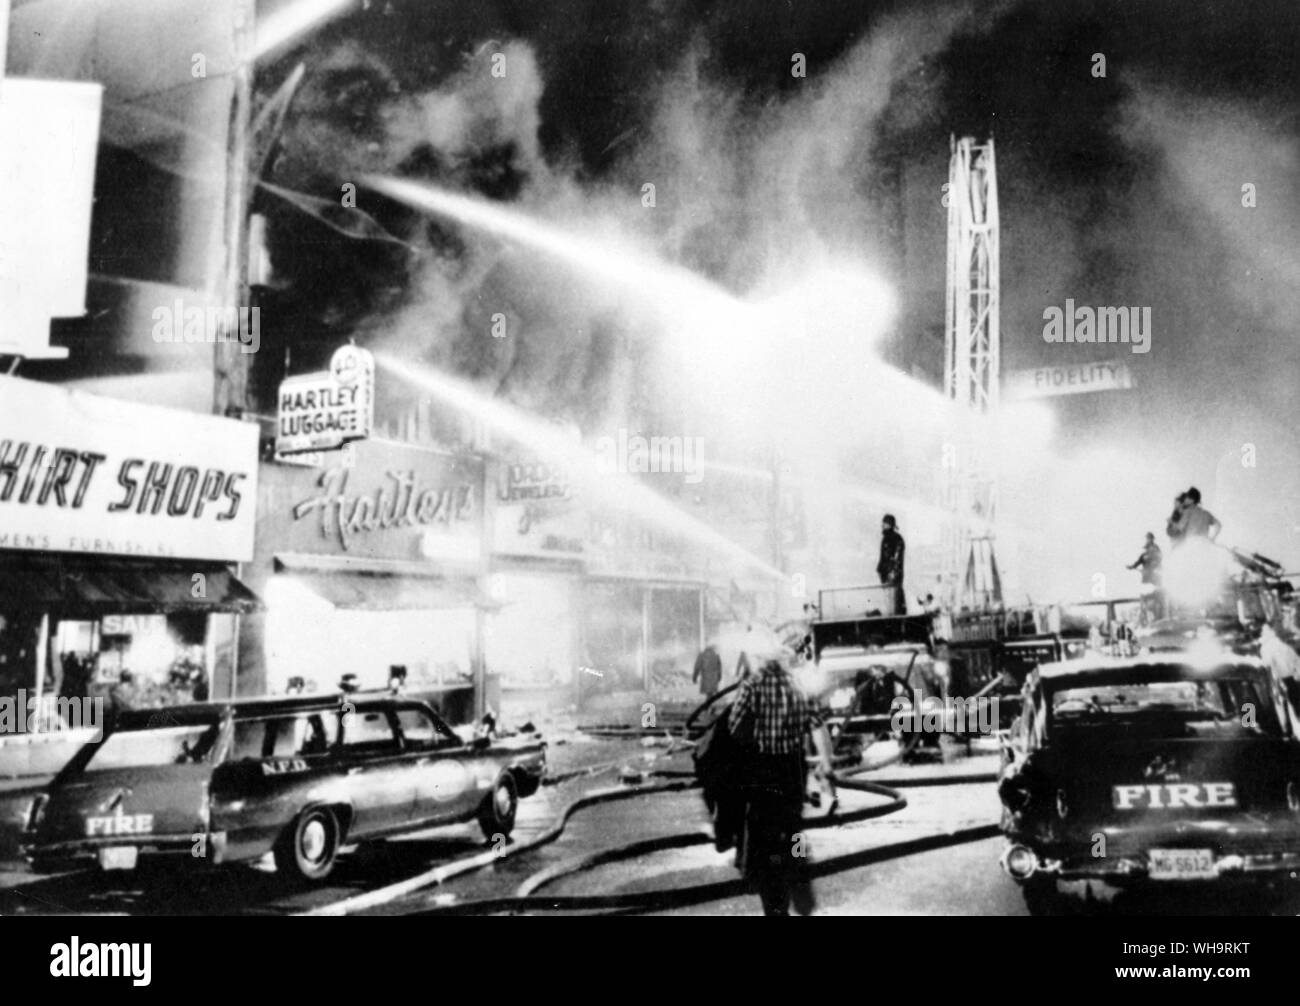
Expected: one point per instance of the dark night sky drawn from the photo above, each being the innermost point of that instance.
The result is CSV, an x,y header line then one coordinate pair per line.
x,y
1117,191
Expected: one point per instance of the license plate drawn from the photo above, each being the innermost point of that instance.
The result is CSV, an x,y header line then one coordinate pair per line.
x,y
118,857
1181,864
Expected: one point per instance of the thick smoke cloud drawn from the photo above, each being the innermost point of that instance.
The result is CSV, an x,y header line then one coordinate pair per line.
x,y
1121,190
749,190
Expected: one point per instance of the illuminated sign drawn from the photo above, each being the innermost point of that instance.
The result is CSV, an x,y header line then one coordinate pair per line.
x,y
81,473
327,409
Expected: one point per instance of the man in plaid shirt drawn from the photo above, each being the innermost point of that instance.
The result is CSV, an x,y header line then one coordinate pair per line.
x,y
773,719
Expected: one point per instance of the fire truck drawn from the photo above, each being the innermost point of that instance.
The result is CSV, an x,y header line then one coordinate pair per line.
x,y
877,670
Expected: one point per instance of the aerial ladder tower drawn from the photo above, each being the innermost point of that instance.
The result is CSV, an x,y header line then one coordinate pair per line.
x,y
972,365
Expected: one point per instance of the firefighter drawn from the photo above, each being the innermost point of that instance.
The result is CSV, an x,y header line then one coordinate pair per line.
x,y
890,566
1191,520
1149,562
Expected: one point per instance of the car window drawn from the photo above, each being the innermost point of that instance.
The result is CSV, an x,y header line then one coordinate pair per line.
x,y
306,734
368,729
250,740
1170,708
178,745
419,728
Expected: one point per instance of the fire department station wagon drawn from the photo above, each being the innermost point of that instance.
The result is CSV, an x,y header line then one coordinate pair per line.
x,y
298,777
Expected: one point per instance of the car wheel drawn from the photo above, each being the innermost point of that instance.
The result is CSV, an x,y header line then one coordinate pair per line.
x,y
496,815
526,784
1043,898
310,847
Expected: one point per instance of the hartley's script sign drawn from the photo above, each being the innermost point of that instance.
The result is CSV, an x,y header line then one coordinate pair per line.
x,y
325,410
81,473
1067,379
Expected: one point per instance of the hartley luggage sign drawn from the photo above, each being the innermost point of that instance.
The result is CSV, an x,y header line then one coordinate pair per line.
x,y
325,410
1067,379
81,473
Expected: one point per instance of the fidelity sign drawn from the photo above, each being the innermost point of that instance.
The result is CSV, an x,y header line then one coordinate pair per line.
x,y
1067,379
325,410
81,473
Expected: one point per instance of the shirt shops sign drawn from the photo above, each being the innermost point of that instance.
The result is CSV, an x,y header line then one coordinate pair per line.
x,y
81,473
327,409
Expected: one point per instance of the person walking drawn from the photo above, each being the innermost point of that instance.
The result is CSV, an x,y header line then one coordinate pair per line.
x,y
890,565
772,720
708,670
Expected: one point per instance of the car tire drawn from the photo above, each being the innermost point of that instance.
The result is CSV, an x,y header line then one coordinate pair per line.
x,y
1043,898
496,815
526,784
309,847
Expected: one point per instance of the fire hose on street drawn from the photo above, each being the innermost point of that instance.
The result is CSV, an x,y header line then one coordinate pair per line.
x,y
527,897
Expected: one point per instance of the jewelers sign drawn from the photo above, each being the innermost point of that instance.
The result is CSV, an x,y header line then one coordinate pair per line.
x,y
81,473
325,410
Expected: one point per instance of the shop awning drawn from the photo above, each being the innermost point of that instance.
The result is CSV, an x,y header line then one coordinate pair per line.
x,y
100,585
382,585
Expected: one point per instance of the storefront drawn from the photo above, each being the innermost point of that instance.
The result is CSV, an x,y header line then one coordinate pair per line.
x,y
643,608
120,528
370,561
538,560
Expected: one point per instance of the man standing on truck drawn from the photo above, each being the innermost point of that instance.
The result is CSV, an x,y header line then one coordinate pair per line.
x,y
1150,562
1191,520
890,566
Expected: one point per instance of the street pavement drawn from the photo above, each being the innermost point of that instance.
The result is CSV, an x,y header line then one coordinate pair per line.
x,y
959,879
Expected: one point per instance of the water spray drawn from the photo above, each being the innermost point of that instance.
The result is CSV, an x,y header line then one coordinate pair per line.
x,y
614,489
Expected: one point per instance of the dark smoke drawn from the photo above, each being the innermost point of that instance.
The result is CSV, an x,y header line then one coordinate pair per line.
x,y
1121,190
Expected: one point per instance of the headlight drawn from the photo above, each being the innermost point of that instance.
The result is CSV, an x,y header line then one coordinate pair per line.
x,y
1020,862
841,699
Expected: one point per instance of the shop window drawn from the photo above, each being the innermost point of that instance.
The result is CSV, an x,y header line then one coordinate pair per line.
x,y
18,636
614,638
530,640
674,637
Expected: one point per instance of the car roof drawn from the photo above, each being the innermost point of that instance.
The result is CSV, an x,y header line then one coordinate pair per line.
x,y
1099,668
245,708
